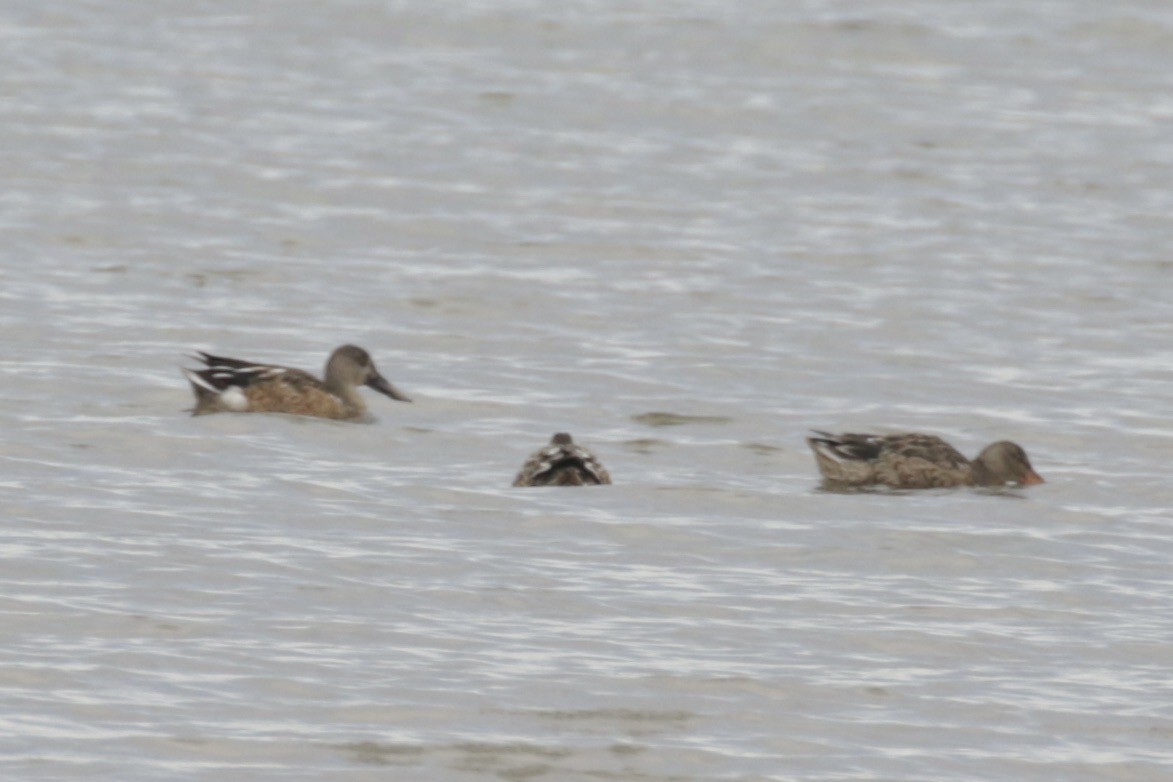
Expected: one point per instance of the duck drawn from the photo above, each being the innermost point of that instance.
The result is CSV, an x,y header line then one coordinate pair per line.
x,y
562,463
236,386
917,461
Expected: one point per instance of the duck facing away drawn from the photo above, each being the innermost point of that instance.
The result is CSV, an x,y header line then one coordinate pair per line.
x,y
917,461
232,385
562,463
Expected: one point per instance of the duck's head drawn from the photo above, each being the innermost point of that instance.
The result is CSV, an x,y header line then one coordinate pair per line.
x,y
1002,463
353,366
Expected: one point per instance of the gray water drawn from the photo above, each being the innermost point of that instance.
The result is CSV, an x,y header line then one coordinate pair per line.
x,y
687,233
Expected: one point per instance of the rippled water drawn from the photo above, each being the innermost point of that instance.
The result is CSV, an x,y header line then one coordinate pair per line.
x,y
685,233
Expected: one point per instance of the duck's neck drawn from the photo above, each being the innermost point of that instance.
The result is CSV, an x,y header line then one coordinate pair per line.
x,y
348,394
982,474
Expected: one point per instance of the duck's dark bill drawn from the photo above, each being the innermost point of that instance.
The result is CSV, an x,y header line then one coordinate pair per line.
x,y
380,384
1032,478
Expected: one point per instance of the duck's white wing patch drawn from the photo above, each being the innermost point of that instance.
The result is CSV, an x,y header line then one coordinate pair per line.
x,y
544,459
197,380
592,464
827,450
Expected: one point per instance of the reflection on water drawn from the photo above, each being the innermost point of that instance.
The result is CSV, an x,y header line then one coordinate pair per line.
x,y
675,419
